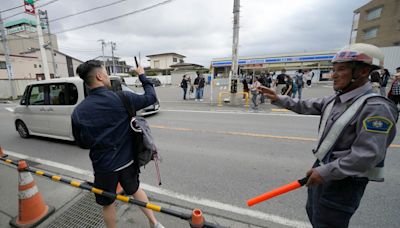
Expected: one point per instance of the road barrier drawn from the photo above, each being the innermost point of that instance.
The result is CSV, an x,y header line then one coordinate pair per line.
x,y
196,219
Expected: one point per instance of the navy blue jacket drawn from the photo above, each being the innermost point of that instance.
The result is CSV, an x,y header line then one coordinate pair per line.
x,y
100,123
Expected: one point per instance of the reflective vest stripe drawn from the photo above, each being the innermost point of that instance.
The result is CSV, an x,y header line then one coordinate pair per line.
x,y
337,128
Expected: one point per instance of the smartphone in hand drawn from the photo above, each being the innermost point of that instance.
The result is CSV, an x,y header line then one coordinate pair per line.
x,y
136,62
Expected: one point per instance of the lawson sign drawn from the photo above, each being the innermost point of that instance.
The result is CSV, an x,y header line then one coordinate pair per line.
x,y
276,60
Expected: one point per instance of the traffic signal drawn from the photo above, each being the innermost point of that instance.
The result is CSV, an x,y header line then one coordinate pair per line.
x,y
234,86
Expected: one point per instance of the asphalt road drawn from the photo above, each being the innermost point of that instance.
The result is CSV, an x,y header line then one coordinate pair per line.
x,y
229,155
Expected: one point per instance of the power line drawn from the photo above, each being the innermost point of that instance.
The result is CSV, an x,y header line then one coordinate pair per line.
x,y
13,8
117,17
88,10
37,7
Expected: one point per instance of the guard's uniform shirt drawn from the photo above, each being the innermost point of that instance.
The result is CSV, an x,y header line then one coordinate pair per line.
x,y
101,123
363,143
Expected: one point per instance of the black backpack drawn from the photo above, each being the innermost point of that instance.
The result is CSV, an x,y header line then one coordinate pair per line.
x,y
145,150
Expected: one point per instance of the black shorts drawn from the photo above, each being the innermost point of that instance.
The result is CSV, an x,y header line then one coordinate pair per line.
x,y
128,178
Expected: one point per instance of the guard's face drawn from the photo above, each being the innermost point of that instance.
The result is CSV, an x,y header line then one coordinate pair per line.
x,y
342,74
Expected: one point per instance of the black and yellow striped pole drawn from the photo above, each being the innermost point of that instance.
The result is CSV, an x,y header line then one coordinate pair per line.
x,y
126,199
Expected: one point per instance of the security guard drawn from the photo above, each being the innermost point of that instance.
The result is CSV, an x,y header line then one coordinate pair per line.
x,y
356,128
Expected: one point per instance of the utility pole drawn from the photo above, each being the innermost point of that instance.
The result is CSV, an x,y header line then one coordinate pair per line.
x,y
113,47
46,18
103,44
7,57
41,46
235,42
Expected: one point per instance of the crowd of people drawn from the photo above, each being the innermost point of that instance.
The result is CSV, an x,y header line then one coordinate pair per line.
x,y
283,84
382,79
196,90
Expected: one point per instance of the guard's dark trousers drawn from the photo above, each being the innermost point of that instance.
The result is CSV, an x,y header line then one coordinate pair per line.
x,y
331,205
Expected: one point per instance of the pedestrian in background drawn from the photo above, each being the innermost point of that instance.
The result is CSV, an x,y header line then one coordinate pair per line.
x,y
385,76
394,93
101,123
308,75
375,80
184,86
263,81
356,128
289,86
279,82
299,79
199,83
254,92
245,88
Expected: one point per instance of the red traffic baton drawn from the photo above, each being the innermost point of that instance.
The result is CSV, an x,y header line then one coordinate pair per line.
x,y
278,191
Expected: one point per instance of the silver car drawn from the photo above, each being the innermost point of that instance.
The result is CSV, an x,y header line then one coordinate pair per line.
x,y
46,106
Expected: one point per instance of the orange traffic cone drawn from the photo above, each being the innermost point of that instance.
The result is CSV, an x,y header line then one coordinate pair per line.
x,y
197,219
32,209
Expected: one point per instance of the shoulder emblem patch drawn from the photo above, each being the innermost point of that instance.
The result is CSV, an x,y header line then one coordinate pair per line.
x,y
378,124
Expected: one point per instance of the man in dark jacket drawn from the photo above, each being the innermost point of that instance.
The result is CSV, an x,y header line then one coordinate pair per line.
x,y
101,124
199,83
184,86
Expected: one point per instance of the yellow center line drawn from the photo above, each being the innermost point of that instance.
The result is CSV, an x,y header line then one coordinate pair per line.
x,y
258,135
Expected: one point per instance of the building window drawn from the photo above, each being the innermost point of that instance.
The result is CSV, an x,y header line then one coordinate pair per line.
x,y
40,66
34,65
174,60
3,65
374,13
370,33
156,63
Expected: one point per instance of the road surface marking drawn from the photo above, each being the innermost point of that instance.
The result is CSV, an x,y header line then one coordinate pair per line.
x,y
205,202
258,135
280,110
239,113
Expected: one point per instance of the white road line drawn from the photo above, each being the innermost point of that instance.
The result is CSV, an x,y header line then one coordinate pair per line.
x,y
239,112
205,202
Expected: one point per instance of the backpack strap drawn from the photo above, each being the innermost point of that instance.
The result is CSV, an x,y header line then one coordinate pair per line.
x,y
130,108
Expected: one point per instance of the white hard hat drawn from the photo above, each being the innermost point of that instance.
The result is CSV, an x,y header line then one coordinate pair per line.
x,y
360,52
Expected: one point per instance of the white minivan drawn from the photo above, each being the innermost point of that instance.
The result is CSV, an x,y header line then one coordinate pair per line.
x,y
46,106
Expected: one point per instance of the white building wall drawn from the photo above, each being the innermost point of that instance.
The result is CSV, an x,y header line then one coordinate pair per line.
x,y
392,58
165,61
23,68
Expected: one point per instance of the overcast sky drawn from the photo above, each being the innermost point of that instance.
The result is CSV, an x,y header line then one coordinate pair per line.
x,y
199,29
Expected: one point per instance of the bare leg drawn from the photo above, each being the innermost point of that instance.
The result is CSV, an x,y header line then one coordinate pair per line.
x,y
109,215
141,195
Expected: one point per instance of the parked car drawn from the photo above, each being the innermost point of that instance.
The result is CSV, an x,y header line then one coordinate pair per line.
x,y
118,84
46,106
156,82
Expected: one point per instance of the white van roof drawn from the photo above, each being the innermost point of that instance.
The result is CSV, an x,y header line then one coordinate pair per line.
x,y
58,80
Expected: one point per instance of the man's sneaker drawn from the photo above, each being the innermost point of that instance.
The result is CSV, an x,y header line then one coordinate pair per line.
x,y
158,225
201,100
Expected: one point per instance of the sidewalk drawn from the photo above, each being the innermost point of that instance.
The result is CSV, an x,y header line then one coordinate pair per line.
x,y
76,208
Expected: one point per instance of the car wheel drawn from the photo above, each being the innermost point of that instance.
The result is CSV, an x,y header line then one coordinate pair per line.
x,y
22,129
